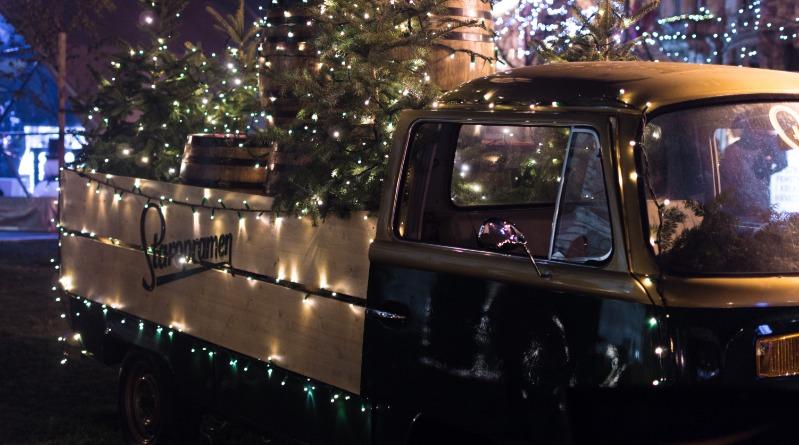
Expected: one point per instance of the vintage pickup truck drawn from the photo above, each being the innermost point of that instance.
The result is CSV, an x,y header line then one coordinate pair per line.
x,y
583,252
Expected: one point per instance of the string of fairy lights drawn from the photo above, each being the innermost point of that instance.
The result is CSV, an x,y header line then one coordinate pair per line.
x,y
106,181
98,182
517,26
115,319
280,31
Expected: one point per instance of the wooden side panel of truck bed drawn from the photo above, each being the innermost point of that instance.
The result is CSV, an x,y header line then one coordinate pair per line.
x,y
279,289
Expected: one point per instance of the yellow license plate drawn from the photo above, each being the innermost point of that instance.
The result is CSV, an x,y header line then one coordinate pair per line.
x,y
777,356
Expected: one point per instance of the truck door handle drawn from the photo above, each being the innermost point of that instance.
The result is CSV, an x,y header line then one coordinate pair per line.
x,y
396,317
386,315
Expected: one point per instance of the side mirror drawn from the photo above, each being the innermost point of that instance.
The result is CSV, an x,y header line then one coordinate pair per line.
x,y
498,234
502,236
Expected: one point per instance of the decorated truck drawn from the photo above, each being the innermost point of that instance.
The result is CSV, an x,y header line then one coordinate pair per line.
x,y
585,252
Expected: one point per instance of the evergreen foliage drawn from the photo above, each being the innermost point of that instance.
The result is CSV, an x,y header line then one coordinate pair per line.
x,y
155,97
600,36
371,65
724,244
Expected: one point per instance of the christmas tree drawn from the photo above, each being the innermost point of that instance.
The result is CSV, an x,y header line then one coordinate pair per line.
x,y
155,97
600,35
520,26
240,90
370,62
371,65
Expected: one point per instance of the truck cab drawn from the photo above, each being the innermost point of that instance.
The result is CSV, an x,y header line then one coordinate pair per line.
x,y
575,244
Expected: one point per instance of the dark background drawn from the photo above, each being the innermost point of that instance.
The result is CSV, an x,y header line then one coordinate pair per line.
x,y
42,401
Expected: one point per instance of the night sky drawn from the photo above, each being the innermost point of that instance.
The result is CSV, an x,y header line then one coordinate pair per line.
x,y
122,24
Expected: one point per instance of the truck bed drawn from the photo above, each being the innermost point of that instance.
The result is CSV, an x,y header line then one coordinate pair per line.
x,y
221,267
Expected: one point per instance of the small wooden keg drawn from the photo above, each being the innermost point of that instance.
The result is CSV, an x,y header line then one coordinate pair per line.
x,y
287,47
281,166
225,161
449,68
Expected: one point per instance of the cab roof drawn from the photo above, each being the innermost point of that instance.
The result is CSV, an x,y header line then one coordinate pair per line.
x,y
625,85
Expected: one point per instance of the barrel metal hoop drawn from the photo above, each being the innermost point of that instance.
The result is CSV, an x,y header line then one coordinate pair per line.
x,y
468,37
217,183
470,13
210,160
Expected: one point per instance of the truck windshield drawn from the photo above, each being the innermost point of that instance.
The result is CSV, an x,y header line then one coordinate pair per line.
x,y
723,189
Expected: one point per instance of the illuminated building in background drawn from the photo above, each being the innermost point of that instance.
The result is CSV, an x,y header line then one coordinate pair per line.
x,y
758,33
28,116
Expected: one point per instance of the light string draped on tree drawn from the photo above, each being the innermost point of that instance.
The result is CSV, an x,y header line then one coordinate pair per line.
x,y
372,63
155,96
600,37
521,25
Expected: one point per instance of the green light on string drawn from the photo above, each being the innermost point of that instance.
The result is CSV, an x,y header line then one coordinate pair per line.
x,y
653,322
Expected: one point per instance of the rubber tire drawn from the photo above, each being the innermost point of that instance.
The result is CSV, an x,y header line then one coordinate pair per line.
x,y
145,374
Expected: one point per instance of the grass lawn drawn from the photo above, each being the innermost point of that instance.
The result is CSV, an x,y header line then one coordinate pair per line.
x,y
41,401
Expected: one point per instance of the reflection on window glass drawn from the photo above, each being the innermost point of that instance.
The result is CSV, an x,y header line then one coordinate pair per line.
x,y
425,141
500,165
726,186
583,230
457,176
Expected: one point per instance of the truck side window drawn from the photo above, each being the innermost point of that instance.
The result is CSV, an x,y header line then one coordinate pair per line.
x,y
583,227
420,164
507,165
458,175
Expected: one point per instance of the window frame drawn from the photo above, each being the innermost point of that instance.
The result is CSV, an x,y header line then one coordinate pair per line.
x,y
589,126
556,217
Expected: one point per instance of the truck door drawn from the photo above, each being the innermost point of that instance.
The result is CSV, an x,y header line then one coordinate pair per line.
x,y
465,339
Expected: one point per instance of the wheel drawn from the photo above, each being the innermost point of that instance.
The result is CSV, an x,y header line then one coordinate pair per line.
x,y
148,406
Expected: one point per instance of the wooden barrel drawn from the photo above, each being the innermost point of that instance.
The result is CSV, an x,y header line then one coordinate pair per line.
x,y
282,164
450,68
225,161
287,46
